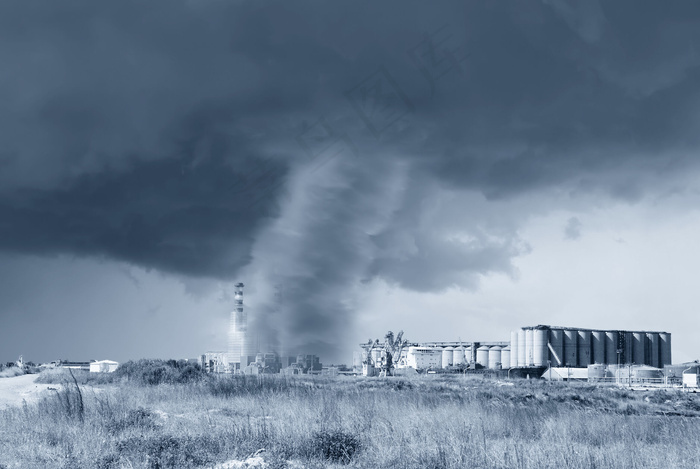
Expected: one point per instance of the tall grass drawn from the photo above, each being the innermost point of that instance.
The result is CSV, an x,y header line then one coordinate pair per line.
x,y
424,422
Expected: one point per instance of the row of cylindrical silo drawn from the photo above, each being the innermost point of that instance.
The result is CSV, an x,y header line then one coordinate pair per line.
x,y
488,357
542,345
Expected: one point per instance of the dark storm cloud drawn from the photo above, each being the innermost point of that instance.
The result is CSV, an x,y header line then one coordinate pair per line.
x,y
166,134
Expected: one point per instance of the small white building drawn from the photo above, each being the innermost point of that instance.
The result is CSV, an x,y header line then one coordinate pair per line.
x,y
103,366
424,357
690,377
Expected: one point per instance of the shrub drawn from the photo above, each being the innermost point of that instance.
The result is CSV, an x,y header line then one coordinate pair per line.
x,y
11,372
154,372
140,418
171,451
335,445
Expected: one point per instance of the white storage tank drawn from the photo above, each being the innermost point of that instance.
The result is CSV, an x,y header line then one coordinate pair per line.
x,y
540,353
596,372
505,357
584,348
653,349
529,357
458,356
639,349
514,349
598,346
482,356
665,348
570,349
468,355
377,356
522,355
447,355
611,346
495,358
556,339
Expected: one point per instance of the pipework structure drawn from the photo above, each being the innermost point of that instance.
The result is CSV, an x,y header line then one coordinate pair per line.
x,y
542,346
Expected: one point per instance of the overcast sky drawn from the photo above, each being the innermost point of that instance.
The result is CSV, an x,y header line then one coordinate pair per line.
x,y
455,171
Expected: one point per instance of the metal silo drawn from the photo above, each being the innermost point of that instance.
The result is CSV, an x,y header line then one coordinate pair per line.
x,y
653,349
584,348
570,349
665,348
540,353
556,339
598,346
639,349
529,356
627,339
468,355
611,346
482,356
522,351
495,358
514,349
458,356
505,357
376,356
447,355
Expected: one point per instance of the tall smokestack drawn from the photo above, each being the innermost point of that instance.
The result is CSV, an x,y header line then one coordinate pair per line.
x,y
237,332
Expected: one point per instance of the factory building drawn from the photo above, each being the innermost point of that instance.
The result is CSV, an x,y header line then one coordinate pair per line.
x,y
542,346
439,355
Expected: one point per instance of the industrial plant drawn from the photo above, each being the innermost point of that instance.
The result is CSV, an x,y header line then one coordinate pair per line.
x,y
633,358
542,351
243,356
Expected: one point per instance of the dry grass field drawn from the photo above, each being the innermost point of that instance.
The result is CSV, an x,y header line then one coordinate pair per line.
x,y
163,419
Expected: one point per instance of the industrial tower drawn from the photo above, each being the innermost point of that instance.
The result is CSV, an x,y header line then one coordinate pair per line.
x,y
238,329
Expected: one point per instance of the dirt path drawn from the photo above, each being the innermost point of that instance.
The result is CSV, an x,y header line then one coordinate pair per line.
x,y
14,390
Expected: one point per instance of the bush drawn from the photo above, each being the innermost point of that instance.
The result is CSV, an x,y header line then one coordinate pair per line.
x,y
171,451
11,372
154,372
140,418
63,376
335,445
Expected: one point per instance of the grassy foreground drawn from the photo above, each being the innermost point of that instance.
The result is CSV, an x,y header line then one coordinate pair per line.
x,y
301,422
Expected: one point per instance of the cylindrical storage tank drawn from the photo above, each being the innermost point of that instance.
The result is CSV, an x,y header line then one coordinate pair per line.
x,y
611,347
482,356
570,349
556,339
522,356
495,358
665,348
447,355
539,344
514,349
376,356
639,349
628,346
505,357
584,348
468,355
458,356
645,373
596,372
598,346
653,349
529,356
